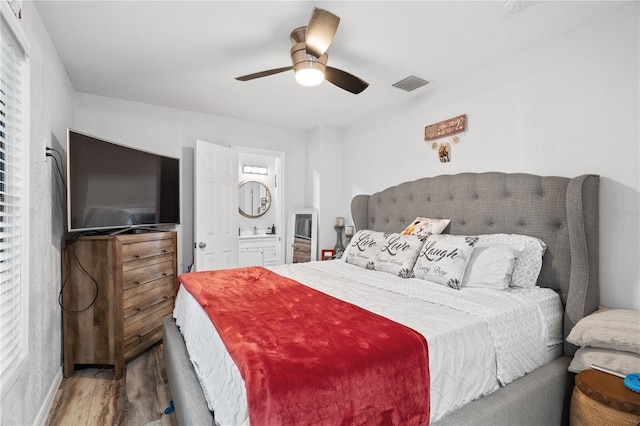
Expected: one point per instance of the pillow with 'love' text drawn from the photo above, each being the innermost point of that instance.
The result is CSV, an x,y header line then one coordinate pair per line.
x,y
398,253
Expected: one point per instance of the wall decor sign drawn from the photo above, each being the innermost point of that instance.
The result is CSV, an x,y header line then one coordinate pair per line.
x,y
445,128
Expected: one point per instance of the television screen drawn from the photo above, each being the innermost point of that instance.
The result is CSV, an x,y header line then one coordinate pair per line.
x,y
111,186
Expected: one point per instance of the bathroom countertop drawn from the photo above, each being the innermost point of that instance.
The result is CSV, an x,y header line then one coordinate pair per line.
x,y
247,236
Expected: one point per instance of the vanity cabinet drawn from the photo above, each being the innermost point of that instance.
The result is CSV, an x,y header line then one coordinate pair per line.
x,y
116,292
258,250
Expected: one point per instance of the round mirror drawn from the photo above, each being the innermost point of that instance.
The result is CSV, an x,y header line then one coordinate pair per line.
x,y
255,198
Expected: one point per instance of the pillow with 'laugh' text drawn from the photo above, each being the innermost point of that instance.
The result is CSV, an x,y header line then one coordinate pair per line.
x,y
443,259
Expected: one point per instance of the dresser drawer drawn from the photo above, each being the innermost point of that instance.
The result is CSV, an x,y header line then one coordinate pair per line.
x,y
138,276
138,343
144,328
138,319
138,251
147,261
137,312
147,293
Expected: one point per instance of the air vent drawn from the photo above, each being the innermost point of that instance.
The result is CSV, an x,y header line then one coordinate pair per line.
x,y
410,83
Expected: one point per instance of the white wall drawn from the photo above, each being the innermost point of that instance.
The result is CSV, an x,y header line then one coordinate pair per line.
x,y
566,107
173,132
324,181
51,109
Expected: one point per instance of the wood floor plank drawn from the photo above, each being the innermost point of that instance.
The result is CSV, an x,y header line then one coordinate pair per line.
x,y
91,396
80,390
141,392
108,400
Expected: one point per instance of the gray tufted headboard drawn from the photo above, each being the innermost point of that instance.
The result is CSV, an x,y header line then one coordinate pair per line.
x,y
563,212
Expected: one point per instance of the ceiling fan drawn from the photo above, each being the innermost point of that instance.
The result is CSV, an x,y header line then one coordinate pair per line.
x,y
309,55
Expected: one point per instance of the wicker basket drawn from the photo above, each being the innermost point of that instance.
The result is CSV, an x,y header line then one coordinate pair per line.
x,y
587,412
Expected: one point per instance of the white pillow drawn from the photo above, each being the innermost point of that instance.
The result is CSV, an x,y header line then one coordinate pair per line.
x,y
424,226
444,258
490,267
529,264
363,248
617,329
398,253
620,361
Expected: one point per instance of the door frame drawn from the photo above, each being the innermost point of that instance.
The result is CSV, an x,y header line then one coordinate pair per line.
x,y
278,195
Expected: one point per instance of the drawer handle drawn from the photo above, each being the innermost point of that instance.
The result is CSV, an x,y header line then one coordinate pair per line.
x,y
164,251
137,256
164,274
142,308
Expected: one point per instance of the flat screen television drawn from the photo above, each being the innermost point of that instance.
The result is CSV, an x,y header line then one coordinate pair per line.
x,y
113,187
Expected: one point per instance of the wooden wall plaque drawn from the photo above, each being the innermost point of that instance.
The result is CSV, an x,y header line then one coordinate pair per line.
x,y
445,128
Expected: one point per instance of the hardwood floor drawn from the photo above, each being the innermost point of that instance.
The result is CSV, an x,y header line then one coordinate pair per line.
x,y
92,397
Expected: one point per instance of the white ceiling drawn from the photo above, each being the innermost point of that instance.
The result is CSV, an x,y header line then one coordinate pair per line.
x,y
185,54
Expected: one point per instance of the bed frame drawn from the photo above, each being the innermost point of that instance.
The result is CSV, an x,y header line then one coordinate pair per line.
x,y
563,212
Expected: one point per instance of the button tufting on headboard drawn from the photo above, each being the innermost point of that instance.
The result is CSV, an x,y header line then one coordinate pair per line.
x,y
517,203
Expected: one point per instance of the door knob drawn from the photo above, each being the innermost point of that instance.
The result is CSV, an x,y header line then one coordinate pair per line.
x,y
202,245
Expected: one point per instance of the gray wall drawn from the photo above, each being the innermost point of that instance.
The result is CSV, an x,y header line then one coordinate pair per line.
x,y
52,105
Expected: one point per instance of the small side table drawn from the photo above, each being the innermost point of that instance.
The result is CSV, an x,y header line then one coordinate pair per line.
x,y
602,399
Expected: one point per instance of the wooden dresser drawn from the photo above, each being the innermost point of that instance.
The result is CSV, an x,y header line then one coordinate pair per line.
x,y
133,280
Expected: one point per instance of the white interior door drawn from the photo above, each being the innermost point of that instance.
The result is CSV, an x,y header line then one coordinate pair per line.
x,y
215,207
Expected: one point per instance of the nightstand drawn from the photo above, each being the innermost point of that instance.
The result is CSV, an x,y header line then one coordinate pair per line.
x,y
602,399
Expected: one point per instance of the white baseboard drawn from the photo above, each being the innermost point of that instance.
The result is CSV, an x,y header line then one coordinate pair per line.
x,y
43,413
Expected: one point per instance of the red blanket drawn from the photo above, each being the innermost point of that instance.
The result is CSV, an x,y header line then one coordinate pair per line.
x,y
309,358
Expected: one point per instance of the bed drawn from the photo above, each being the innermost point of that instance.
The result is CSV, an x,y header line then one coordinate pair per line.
x,y
562,212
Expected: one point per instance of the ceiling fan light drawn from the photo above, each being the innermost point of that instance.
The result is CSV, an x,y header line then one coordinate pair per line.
x,y
309,76
308,69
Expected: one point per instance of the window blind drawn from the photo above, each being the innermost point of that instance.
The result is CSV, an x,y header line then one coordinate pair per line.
x,y
14,212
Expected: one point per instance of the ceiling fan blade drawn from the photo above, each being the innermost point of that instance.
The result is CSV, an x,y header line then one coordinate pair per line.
x,y
344,80
263,73
320,31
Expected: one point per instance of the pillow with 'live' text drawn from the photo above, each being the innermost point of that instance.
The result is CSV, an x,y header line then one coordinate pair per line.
x,y
363,248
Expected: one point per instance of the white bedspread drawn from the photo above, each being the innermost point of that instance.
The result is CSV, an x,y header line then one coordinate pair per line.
x,y
478,339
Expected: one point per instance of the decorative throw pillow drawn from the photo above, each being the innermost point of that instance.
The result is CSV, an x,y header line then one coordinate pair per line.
x,y
490,267
620,361
424,226
444,258
529,264
398,254
616,329
363,248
